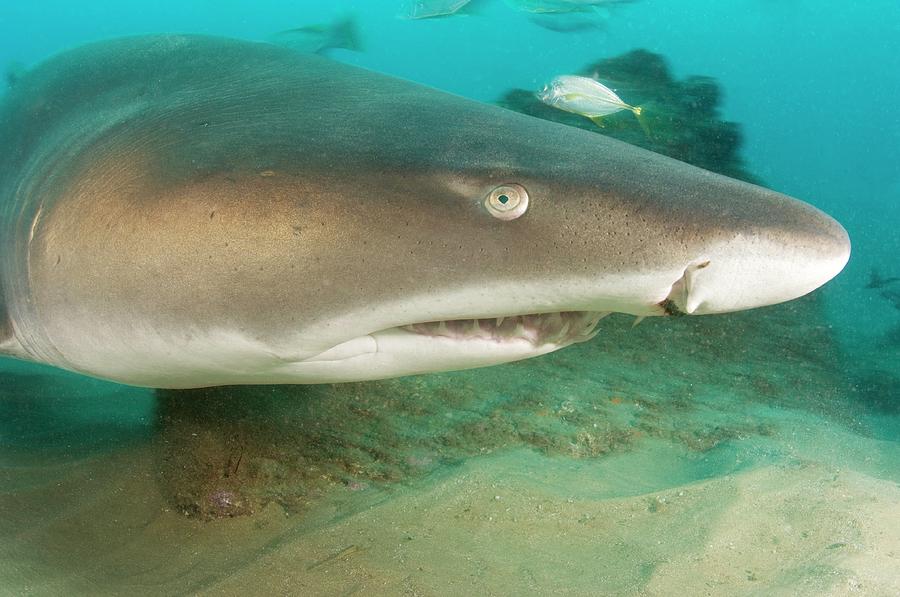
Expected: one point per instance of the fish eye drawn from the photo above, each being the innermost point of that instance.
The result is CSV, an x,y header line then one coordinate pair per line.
x,y
507,202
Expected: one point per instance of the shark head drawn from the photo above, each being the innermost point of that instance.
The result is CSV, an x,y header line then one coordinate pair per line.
x,y
259,216
521,242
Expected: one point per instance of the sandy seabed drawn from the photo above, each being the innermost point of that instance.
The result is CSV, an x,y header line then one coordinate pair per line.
x,y
515,523
603,470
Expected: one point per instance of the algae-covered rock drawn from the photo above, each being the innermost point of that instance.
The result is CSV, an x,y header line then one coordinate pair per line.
x,y
682,116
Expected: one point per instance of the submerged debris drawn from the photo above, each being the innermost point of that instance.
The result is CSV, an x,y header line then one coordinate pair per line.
x,y
344,553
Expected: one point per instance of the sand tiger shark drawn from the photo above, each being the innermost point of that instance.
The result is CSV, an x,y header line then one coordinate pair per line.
x,y
185,211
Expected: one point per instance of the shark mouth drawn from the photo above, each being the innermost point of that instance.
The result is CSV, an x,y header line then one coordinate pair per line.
x,y
560,328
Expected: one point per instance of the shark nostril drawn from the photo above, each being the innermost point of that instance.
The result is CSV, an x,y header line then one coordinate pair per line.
x,y
670,308
682,298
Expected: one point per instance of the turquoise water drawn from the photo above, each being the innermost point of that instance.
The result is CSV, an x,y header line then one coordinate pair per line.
x,y
754,453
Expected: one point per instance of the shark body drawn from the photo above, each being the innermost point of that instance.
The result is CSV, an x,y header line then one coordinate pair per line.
x,y
186,211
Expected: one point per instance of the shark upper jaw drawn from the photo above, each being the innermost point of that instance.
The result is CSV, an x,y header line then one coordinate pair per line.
x,y
538,331
467,327
721,281
561,328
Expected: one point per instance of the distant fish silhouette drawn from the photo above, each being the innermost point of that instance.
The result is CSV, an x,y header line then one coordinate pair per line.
x,y
14,72
571,22
342,34
893,297
563,6
568,16
876,281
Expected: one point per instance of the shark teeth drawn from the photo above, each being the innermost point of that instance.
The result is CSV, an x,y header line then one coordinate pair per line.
x,y
560,328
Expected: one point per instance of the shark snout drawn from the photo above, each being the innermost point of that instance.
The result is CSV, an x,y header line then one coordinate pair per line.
x,y
801,250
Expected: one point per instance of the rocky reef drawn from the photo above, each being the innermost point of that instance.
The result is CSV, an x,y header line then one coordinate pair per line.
x,y
682,115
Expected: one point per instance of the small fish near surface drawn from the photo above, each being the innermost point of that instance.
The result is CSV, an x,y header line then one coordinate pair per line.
x,y
568,16
342,34
563,6
586,97
430,9
557,15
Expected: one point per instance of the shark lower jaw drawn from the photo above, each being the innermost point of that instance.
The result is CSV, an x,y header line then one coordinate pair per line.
x,y
561,328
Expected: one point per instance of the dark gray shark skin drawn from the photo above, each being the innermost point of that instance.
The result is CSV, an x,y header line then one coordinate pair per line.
x,y
185,211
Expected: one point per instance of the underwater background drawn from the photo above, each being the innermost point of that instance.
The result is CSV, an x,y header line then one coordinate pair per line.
x,y
748,454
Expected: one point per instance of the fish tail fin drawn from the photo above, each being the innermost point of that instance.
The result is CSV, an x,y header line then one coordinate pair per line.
x,y
638,112
345,35
474,7
602,13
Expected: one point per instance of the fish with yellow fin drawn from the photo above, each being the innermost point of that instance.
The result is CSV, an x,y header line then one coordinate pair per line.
x,y
587,97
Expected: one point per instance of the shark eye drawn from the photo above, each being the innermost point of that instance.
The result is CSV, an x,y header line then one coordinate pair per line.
x,y
507,202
